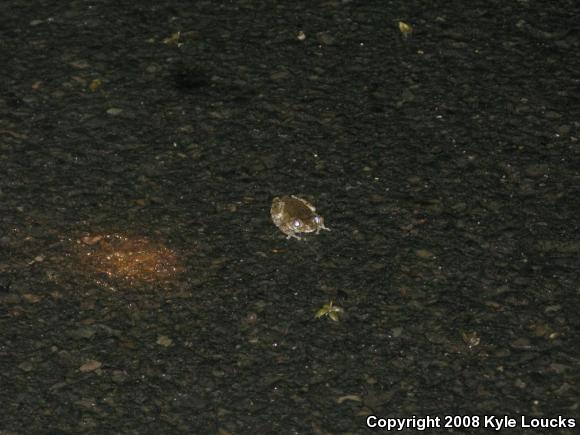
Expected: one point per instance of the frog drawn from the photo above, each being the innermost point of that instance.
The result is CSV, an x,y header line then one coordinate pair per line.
x,y
294,215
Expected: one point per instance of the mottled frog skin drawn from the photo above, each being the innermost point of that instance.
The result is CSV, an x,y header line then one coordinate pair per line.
x,y
293,215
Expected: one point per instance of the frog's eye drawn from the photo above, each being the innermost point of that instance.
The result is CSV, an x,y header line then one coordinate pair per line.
x,y
296,223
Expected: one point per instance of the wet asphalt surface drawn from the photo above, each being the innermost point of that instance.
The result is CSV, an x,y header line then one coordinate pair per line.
x,y
144,287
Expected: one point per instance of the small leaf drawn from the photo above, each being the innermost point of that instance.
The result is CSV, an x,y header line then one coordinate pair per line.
x,y
322,312
405,29
164,340
173,39
95,84
90,366
329,310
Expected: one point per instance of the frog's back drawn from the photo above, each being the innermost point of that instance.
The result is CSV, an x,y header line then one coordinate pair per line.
x,y
297,208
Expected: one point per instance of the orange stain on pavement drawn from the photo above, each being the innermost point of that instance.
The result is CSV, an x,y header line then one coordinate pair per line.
x,y
128,258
